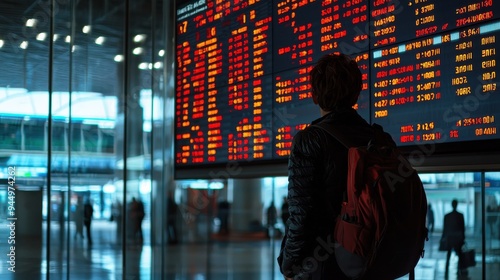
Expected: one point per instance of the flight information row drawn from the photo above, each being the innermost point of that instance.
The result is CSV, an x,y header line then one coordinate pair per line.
x,y
297,32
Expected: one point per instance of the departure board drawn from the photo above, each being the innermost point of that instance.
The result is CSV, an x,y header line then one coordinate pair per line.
x,y
242,72
439,89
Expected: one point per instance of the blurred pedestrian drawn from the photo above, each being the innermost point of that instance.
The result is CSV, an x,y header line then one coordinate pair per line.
x,y
454,235
88,213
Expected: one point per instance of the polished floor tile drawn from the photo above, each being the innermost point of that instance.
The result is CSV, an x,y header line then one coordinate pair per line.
x,y
231,259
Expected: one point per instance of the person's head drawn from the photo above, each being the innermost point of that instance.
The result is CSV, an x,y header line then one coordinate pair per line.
x,y
335,82
454,204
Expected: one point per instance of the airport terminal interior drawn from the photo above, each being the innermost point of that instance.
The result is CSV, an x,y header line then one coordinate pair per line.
x,y
93,108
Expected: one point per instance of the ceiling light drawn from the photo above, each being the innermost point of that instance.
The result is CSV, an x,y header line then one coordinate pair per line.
x,y
158,65
161,53
118,58
1,43
24,45
139,38
56,36
100,40
41,36
144,65
86,29
138,51
68,39
31,22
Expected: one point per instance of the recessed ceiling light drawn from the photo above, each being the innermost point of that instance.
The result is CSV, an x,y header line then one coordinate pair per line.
x,y
118,58
41,36
100,40
139,38
86,29
138,51
158,65
31,22
161,53
143,65
24,45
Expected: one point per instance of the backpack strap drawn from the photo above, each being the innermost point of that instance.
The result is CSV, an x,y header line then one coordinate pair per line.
x,y
412,274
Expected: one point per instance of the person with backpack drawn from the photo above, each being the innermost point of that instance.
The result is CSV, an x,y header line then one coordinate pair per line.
x,y
318,169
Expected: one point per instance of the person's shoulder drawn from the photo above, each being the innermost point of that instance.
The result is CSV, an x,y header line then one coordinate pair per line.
x,y
309,133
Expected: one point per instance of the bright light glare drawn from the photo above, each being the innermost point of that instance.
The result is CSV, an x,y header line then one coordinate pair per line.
x,y
41,36
31,22
86,29
24,45
139,38
138,51
118,58
100,40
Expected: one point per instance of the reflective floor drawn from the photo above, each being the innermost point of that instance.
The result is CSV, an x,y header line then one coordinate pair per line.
x,y
216,259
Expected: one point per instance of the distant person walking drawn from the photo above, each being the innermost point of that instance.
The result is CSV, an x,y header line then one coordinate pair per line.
x,y
88,212
141,213
454,234
117,217
136,215
223,215
272,218
172,212
78,218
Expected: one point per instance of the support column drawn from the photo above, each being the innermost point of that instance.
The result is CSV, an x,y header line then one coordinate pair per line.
x,y
246,207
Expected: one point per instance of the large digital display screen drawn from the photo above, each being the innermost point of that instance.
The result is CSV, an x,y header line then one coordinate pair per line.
x,y
242,72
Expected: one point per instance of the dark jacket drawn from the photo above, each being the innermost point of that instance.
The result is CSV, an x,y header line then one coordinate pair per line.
x,y
454,229
317,171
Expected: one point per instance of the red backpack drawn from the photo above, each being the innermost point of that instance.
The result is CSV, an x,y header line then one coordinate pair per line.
x,y
380,232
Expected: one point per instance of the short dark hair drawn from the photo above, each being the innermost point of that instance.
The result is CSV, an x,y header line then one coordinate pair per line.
x,y
335,81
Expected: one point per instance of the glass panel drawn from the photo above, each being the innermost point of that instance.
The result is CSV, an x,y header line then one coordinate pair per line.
x,y
136,111
58,142
103,122
442,189
492,226
23,148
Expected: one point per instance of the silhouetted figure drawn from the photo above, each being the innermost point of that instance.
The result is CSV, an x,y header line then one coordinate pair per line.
x,y
491,218
141,213
88,212
454,234
430,218
172,212
317,169
135,215
116,212
272,218
78,217
132,214
223,215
